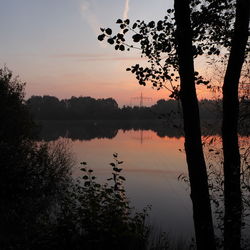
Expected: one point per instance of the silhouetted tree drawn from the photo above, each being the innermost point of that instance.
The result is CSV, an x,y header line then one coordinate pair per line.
x,y
232,171
107,109
193,145
75,108
205,28
31,174
42,207
226,26
175,40
16,122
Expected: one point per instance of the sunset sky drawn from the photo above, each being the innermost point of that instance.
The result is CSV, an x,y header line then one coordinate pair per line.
x,y
52,45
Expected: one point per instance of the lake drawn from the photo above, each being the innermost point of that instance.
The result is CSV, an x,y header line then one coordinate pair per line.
x,y
153,158
151,168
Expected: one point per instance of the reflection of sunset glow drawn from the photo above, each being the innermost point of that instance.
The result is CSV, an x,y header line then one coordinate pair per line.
x,y
155,154
151,168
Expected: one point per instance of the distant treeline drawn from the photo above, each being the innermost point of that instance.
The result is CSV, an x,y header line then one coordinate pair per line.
x,y
88,108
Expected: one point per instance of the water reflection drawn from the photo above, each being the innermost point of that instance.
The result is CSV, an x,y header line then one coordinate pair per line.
x,y
152,164
87,130
153,159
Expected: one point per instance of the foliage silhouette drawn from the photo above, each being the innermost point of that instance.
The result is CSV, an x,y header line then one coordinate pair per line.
x,y
174,39
16,120
31,174
170,45
214,157
232,162
100,215
43,108
43,207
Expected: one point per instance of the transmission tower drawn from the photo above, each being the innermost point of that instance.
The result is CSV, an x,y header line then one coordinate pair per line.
x,y
141,98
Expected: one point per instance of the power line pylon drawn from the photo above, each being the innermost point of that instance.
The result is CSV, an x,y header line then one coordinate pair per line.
x,y
141,98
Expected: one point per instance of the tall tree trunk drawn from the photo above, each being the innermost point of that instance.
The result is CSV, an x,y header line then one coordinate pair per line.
x,y
193,146
232,189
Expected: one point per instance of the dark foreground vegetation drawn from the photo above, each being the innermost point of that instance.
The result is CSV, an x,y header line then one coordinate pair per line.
x,y
36,214
43,207
218,31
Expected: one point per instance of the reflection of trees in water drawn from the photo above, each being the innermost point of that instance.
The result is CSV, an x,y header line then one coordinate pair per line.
x,y
87,130
77,130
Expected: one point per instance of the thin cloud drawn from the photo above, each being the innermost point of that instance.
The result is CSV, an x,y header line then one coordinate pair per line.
x,y
85,6
126,9
78,55
95,57
90,17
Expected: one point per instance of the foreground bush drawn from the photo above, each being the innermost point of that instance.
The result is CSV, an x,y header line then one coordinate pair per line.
x,y
42,206
96,216
31,179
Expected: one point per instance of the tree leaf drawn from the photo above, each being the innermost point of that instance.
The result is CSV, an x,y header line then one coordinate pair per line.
x,y
111,41
137,38
108,31
119,21
101,37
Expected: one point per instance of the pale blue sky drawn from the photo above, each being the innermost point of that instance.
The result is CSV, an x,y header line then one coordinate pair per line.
x,y
52,45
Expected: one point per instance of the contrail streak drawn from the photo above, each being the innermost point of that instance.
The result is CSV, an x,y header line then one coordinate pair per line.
x,y
126,9
91,19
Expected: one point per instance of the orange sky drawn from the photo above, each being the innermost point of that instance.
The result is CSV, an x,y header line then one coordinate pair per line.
x,y
53,47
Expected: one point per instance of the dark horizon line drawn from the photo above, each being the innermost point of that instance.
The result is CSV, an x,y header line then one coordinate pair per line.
x,y
106,98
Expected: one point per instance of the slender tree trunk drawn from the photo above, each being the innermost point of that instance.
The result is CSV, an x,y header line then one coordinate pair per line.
x,y
194,153
232,188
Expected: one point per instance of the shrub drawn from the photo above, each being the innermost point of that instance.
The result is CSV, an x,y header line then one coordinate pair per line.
x,y
99,216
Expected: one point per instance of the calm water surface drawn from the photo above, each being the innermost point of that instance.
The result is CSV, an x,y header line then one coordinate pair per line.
x,y
153,159
151,166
